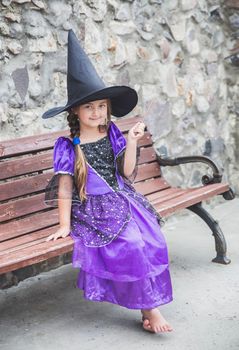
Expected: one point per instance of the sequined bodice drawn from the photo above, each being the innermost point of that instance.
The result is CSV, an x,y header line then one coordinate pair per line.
x,y
100,156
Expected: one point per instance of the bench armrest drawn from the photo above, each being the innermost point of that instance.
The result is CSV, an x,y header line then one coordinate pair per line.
x,y
206,179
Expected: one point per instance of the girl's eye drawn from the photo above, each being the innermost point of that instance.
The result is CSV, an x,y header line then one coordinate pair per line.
x,y
90,107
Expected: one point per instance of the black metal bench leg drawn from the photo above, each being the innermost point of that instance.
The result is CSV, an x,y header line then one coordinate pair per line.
x,y
220,242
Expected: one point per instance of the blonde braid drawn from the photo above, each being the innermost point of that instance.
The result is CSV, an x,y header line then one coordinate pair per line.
x,y
81,169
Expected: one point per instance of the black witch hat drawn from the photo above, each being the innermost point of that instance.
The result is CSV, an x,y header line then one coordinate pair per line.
x,y
85,85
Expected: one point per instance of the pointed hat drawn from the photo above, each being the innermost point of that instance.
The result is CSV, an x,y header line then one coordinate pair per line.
x,y
85,85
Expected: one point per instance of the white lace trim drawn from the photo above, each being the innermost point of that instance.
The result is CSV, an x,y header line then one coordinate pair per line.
x,y
64,172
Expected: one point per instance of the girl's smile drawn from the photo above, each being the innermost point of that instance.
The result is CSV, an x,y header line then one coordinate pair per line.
x,y
96,118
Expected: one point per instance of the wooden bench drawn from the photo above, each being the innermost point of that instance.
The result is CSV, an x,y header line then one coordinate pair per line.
x,y
26,168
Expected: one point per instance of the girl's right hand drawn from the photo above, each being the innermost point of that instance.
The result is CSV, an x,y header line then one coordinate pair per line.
x,y
61,232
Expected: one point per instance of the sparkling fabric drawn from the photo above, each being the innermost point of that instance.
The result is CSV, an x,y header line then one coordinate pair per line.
x,y
118,243
100,156
100,219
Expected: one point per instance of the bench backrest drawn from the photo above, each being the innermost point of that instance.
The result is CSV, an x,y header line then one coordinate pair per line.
x,y
26,168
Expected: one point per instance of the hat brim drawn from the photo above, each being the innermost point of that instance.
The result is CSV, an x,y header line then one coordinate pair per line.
x,y
123,100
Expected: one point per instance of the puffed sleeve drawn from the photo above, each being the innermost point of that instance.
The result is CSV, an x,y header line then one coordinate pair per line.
x,y
64,156
120,165
63,164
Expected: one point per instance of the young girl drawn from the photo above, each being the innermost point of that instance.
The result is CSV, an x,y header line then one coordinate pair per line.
x,y
118,244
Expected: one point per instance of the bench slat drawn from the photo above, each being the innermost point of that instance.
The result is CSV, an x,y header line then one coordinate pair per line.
x,y
147,171
29,144
151,185
24,186
26,165
124,124
32,255
25,241
164,195
28,224
147,155
189,198
20,207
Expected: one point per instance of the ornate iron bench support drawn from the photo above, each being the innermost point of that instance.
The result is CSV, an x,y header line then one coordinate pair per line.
x,y
220,242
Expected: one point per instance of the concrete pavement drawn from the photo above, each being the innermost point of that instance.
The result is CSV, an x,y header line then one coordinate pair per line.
x,y
47,312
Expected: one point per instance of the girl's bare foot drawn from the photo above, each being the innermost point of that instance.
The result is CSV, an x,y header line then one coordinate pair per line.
x,y
154,322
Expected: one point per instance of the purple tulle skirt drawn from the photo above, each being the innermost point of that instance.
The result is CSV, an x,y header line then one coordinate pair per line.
x,y
131,271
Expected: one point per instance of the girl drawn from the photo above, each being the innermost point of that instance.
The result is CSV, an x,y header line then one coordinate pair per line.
x,y
118,244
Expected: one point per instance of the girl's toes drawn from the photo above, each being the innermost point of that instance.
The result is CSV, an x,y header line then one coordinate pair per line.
x,y
147,326
146,323
169,328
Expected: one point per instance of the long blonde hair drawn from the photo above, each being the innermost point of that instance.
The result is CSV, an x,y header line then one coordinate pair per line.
x,y
81,171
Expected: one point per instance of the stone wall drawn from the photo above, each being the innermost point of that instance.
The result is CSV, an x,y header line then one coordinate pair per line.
x,y
180,55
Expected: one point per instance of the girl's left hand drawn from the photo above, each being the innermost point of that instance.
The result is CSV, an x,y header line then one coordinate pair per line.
x,y
136,132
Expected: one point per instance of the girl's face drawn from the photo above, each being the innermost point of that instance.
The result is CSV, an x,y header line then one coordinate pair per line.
x,y
92,114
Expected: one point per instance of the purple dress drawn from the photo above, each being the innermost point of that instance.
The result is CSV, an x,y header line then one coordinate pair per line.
x,y
118,243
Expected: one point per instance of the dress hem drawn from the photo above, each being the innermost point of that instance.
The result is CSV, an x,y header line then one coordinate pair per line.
x,y
130,306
